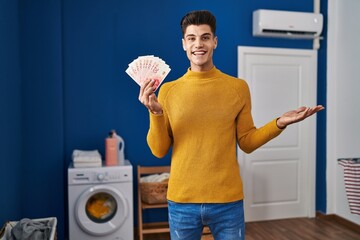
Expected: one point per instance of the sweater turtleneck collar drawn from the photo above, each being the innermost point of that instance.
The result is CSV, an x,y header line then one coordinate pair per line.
x,y
212,73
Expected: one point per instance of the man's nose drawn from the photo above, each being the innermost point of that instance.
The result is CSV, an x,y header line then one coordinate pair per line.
x,y
199,43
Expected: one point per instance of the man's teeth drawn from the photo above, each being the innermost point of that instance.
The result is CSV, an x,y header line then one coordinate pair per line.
x,y
199,52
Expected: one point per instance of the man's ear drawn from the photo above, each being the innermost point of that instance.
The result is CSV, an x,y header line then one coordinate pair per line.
x,y
216,41
183,44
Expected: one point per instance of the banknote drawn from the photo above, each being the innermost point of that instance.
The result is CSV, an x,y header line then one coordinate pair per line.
x,y
148,67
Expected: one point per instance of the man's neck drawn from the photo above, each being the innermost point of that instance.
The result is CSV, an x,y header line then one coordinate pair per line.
x,y
196,68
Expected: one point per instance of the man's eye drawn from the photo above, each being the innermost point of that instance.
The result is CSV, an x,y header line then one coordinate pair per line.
x,y
206,38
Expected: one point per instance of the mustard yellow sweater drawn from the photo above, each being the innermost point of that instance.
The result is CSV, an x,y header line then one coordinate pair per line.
x,y
205,115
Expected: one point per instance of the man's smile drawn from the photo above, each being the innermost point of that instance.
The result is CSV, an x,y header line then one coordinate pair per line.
x,y
198,53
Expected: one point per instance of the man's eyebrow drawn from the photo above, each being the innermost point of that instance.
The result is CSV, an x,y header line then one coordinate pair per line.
x,y
193,35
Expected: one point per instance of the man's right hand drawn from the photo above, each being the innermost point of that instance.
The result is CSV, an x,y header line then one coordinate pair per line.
x,y
148,98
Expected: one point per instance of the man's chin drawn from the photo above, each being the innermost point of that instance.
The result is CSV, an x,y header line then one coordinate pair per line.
x,y
199,61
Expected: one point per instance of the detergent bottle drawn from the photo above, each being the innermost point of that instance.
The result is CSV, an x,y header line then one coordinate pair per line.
x,y
114,149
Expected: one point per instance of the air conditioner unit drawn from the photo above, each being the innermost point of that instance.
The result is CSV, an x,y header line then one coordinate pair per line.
x,y
287,24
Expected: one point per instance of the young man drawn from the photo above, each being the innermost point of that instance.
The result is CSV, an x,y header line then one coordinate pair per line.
x,y
203,115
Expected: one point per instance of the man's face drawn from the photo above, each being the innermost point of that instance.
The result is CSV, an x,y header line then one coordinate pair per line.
x,y
199,44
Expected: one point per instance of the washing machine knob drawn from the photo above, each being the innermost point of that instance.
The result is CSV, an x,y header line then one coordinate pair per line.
x,y
100,177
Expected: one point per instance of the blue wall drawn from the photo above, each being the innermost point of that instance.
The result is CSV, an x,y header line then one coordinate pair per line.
x,y
321,120
63,85
43,161
10,112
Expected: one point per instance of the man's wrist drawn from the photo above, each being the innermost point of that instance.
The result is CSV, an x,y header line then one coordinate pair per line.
x,y
156,112
279,125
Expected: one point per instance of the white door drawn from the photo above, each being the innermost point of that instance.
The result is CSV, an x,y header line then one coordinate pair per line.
x,y
279,177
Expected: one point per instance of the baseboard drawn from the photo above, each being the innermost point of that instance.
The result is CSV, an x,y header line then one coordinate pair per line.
x,y
346,223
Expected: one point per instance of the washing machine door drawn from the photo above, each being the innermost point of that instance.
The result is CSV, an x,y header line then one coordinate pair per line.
x,y
101,210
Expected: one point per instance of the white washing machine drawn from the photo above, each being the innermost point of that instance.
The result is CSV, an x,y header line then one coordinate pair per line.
x,y
101,203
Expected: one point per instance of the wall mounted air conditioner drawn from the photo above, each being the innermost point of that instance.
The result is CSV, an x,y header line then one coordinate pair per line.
x,y
287,24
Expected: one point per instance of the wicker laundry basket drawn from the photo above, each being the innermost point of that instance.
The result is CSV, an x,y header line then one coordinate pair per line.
x,y
154,192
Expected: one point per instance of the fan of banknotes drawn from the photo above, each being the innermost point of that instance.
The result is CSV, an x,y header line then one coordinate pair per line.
x,y
148,67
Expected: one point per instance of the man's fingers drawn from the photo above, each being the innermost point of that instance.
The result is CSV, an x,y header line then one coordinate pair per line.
x,y
310,111
152,98
301,109
146,89
316,109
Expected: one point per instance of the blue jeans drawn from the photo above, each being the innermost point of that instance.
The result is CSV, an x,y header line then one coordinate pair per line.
x,y
226,221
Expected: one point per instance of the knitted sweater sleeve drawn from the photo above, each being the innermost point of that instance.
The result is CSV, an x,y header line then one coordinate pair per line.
x,y
249,137
159,137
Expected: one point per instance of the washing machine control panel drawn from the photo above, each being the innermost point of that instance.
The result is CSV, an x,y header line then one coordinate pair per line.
x,y
100,175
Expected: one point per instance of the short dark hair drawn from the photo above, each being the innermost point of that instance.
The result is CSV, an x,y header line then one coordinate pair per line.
x,y
198,17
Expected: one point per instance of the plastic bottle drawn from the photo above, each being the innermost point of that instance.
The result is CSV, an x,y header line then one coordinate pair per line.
x,y
121,147
111,149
